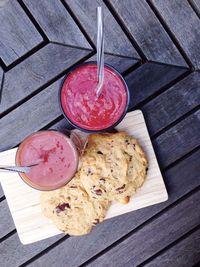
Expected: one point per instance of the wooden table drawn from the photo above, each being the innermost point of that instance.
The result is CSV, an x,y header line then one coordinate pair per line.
x,y
155,44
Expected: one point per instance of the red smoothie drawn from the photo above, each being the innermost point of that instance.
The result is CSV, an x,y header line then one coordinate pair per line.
x,y
56,157
79,103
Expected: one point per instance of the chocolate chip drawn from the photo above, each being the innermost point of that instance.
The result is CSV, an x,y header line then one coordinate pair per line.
x,y
133,146
120,189
147,169
99,152
102,180
62,207
111,170
96,221
130,158
73,186
98,192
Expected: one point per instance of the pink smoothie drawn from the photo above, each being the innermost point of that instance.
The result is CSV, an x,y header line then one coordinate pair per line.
x,y
79,103
56,155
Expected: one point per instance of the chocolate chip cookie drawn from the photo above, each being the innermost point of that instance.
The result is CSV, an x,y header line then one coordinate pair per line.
x,y
113,167
71,209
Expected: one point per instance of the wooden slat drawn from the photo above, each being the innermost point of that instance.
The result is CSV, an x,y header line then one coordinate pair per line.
x,y
184,24
152,238
11,249
37,70
149,79
173,103
179,140
18,34
179,180
185,253
57,23
116,41
7,224
30,117
120,63
147,31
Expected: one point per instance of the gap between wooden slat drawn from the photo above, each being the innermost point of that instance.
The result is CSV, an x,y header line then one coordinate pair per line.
x,y
126,31
175,122
195,9
169,246
25,56
170,34
79,24
44,251
1,86
187,155
33,20
8,235
162,90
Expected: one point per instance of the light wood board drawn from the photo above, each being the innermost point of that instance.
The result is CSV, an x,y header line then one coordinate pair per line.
x,y
23,200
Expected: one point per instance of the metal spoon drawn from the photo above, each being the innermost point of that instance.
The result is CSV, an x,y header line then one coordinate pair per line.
x,y
19,169
100,51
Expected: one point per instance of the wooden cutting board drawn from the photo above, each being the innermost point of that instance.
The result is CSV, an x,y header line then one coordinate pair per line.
x,y
23,200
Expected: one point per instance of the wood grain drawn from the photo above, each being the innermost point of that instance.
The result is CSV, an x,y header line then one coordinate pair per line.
x,y
7,224
13,253
36,71
147,31
33,226
149,79
183,254
173,103
18,34
184,24
170,225
57,23
179,140
116,41
179,180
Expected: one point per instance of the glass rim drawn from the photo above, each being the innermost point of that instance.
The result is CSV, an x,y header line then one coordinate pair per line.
x,y
25,178
79,127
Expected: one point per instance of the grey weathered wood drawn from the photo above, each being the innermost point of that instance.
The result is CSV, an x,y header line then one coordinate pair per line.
x,y
184,24
185,253
154,236
196,4
173,103
149,79
7,224
18,34
13,253
30,117
179,140
179,180
57,23
36,71
116,41
147,31
120,63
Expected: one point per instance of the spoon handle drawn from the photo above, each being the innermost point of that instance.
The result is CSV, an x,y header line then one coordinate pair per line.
x,y
15,169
